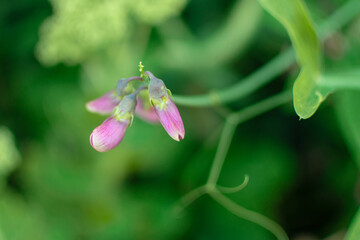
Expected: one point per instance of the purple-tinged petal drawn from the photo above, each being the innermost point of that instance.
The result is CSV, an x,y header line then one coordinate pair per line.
x,y
104,104
175,116
146,113
109,134
171,120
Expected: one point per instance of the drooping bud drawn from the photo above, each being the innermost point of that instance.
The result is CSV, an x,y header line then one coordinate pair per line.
x,y
110,133
165,108
104,104
171,120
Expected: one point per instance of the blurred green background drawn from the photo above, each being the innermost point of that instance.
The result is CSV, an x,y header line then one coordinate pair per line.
x,y
57,55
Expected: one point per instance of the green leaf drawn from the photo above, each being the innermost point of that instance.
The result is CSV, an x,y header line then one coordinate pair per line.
x,y
293,15
312,85
354,230
295,18
307,95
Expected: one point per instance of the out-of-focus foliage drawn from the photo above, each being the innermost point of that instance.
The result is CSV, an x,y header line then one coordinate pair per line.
x,y
80,28
302,173
156,11
9,157
354,230
217,47
347,104
349,116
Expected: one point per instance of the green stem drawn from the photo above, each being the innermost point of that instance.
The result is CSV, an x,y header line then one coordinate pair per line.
x,y
187,199
224,144
262,107
211,187
249,215
239,117
234,189
346,80
271,69
241,89
340,18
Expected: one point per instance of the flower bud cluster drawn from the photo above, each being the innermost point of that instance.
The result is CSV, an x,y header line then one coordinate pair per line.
x,y
150,101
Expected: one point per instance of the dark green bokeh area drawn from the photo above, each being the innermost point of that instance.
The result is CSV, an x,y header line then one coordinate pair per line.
x,y
57,55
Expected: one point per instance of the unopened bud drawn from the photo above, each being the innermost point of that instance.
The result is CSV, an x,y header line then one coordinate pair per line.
x,y
165,108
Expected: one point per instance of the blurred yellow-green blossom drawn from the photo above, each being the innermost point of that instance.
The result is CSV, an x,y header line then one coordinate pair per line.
x,y
80,28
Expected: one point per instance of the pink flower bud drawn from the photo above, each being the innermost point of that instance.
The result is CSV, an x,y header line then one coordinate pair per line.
x,y
109,134
171,120
165,108
104,104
